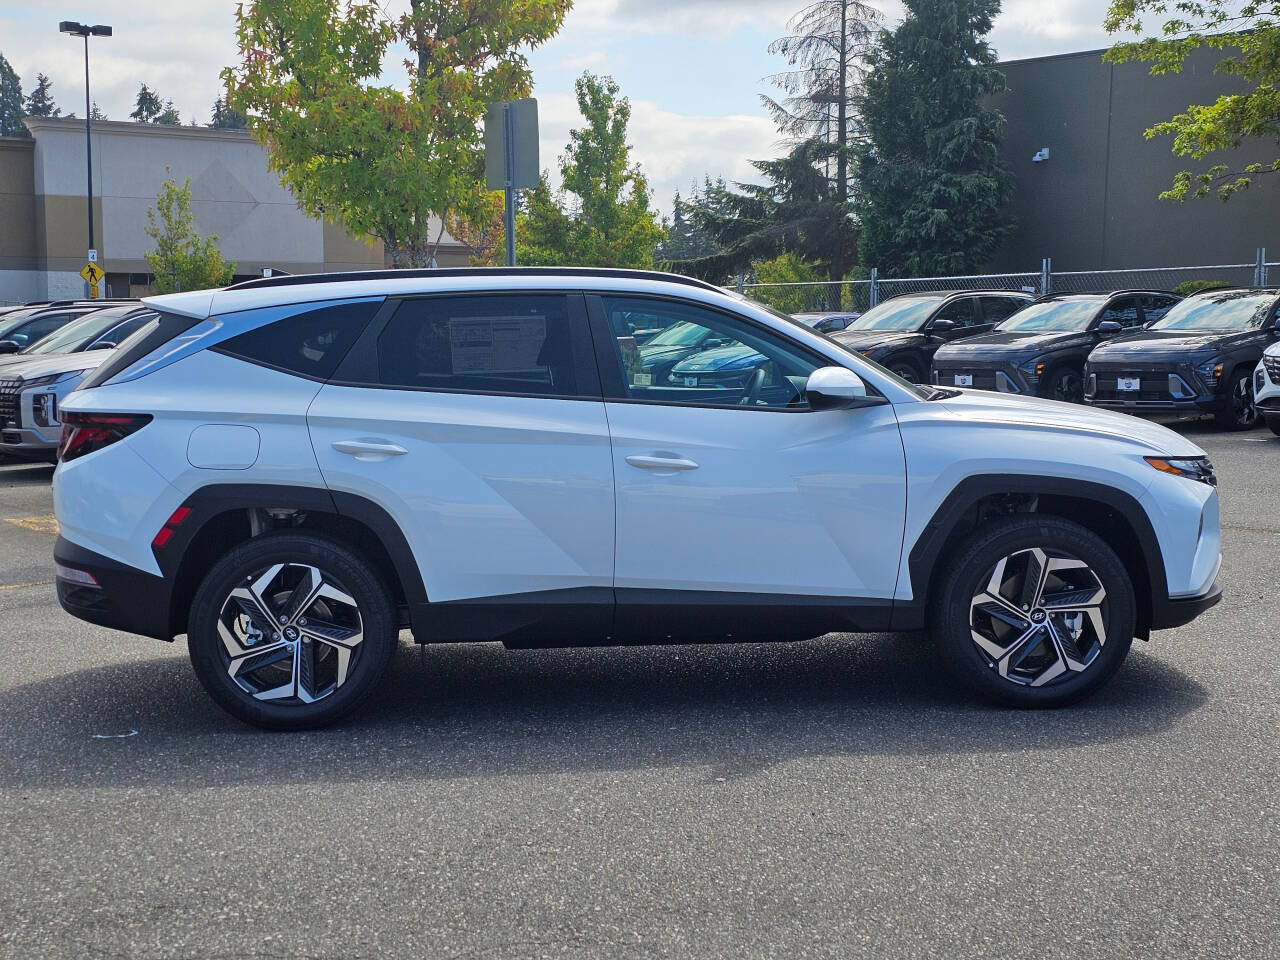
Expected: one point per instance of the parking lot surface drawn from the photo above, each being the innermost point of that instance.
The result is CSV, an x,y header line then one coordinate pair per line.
x,y
834,798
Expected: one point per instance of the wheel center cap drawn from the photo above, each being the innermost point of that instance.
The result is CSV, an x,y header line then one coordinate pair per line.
x,y
1037,616
291,633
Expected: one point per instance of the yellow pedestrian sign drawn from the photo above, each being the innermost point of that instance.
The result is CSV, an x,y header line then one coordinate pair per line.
x,y
93,275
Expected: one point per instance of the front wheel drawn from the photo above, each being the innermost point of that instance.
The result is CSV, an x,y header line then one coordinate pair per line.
x,y
1034,612
1274,424
1239,412
290,631
1065,383
906,369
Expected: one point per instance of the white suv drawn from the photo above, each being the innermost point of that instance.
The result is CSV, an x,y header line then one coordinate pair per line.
x,y
289,471
1266,387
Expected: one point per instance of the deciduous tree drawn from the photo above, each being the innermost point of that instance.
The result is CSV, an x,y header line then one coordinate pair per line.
x,y
390,163
1247,35
182,259
931,189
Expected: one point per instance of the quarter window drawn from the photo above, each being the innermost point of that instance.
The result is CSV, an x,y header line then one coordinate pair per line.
x,y
723,361
518,345
311,343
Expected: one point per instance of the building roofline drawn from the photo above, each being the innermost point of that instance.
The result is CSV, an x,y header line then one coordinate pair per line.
x,y
38,125
1056,56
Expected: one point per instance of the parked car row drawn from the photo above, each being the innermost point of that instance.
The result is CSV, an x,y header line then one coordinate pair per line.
x,y
1137,351
46,350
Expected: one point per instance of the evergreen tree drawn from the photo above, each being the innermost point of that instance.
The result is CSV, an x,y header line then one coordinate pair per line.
x,y
95,114
40,101
226,117
10,102
169,117
147,108
686,239
930,185
608,222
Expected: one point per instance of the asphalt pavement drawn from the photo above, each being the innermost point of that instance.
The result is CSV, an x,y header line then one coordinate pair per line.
x,y
834,798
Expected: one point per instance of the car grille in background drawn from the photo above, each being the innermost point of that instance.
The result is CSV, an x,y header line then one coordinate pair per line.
x,y
982,379
1154,383
1273,367
9,402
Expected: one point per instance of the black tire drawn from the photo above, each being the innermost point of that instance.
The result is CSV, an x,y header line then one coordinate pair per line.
x,y
1065,382
966,574
1274,424
341,566
906,368
1238,412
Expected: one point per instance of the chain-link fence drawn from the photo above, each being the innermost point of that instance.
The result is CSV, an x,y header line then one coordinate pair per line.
x,y
863,294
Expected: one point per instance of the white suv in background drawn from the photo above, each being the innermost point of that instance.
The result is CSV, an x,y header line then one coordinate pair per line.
x,y
291,470
1266,387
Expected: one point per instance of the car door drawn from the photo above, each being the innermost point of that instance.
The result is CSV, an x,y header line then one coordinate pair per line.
x,y
476,421
730,492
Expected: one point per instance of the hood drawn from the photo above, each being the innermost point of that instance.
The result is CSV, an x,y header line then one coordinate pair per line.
x,y
860,340
1029,342
736,357
32,368
1181,344
977,406
651,353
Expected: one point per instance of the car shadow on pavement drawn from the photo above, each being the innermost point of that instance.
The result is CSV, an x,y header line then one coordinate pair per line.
x,y
479,710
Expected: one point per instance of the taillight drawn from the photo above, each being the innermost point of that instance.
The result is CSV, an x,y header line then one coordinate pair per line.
x,y
84,433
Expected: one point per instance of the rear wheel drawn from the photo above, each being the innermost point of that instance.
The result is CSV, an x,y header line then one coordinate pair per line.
x,y
1239,412
1034,612
291,631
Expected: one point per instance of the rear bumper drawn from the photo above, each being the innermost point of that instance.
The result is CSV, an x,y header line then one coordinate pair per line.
x,y
124,598
1173,612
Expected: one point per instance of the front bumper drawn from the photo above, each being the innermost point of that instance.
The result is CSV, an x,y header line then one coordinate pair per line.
x,y
1173,612
1000,377
124,598
1171,387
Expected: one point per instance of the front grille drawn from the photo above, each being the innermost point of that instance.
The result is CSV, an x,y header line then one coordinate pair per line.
x,y
1273,367
9,402
982,379
1153,385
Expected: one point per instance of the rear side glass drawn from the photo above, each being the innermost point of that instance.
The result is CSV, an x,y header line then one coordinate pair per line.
x,y
151,336
310,344
995,309
1123,312
514,345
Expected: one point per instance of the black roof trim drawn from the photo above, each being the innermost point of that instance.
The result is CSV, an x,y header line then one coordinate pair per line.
x,y
980,291
301,279
1127,292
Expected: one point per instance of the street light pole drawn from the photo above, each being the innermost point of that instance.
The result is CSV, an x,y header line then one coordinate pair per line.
x,y
85,31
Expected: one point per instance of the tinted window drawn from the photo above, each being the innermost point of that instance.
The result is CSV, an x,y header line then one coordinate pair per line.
x,y
1123,311
735,364
311,343
36,329
959,312
117,334
489,344
1153,308
995,309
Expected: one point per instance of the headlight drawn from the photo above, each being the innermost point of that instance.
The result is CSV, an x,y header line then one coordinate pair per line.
x,y
1034,369
1210,371
52,378
1192,468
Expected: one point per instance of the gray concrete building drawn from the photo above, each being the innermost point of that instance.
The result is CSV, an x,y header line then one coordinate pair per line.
x,y
44,215
1093,204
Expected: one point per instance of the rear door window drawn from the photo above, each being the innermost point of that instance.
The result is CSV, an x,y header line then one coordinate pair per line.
x,y
995,309
1123,311
960,312
1155,307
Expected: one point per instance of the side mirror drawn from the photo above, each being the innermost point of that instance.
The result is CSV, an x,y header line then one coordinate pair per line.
x,y
1108,328
9,346
837,388
942,326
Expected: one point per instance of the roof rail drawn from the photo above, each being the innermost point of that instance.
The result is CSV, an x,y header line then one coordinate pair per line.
x,y
301,279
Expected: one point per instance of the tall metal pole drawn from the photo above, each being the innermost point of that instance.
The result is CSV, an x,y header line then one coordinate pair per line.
x,y
88,142
509,142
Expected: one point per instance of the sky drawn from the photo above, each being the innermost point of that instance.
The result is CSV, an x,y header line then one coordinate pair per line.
x,y
694,70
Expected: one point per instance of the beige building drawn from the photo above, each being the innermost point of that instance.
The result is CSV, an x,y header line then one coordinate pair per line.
x,y
44,232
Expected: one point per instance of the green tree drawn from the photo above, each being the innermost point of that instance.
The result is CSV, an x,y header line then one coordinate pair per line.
x,y
1248,36
787,268
686,239
601,217
11,124
385,162
182,259
95,114
147,107
226,118
169,116
930,185
40,100
826,49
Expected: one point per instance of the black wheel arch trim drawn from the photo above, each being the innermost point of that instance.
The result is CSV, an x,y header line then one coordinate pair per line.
x,y
929,547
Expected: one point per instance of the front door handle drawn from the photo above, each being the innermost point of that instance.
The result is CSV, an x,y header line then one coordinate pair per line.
x,y
669,462
369,448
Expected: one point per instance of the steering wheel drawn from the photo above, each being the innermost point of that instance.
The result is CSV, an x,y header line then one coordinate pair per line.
x,y
756,384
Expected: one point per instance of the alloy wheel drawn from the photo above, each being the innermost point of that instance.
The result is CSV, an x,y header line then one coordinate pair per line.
x,y
1069,387
1242,404
1039,617
290,634
907,373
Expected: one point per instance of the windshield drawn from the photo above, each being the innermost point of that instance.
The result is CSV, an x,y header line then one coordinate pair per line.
x,y
79,332
682,334
1220,312
900,313
1056,315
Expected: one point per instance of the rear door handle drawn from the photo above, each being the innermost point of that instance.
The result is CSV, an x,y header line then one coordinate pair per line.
x,y
668,462
369,448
